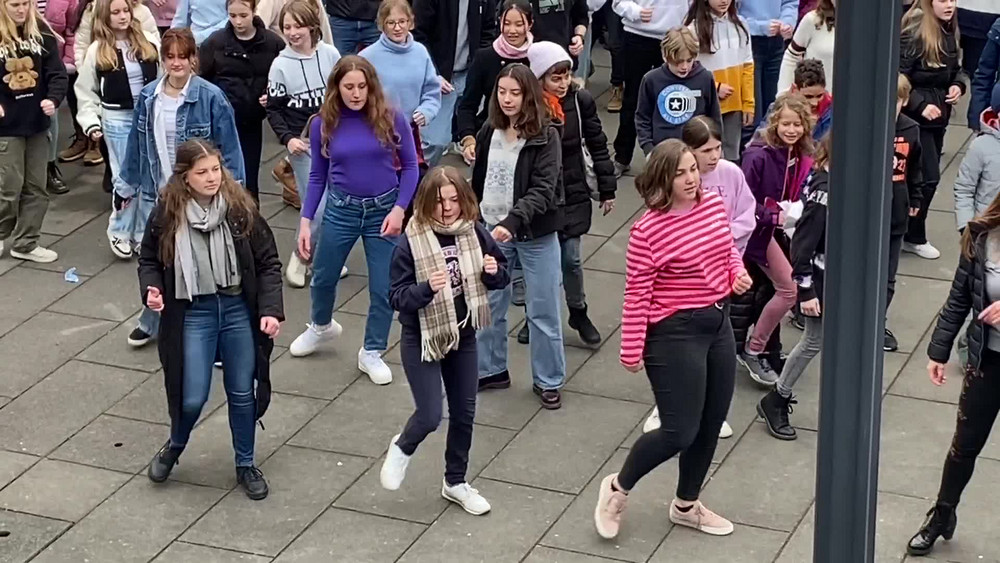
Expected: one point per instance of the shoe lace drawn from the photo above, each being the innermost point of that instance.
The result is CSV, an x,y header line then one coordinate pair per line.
x,y
252,473
465,489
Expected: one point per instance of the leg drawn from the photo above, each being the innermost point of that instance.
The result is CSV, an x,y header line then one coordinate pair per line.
x,y
12,157
732,131
34,200
640,61
109,180
491,341
779,271
615,37
251,140
340,229
460,384
53,137
345,35
201,337
572,272
71,101
542,279
368,33
425,385
895,245
931,143
378,254
436,135
115,126
809,345
239,354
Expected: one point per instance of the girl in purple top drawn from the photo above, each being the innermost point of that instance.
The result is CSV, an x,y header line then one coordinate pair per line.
x,y
365,163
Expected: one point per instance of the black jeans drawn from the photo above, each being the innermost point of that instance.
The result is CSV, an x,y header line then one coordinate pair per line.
x,y
931,146
71,101
460,372
977,410
251,135
690,360
895,247
606,19
643,56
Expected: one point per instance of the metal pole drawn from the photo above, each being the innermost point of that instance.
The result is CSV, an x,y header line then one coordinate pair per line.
x,y
866,67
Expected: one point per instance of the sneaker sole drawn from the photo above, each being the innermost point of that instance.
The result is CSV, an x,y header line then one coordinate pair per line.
x,y
120,254
381,472
256,496
498,385
703,529
756,378
139,343
447,497
782,437
74,158
93,162
337,331
30,258
372,379
601,500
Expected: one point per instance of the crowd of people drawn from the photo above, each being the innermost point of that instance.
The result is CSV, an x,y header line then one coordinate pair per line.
x,y
730,104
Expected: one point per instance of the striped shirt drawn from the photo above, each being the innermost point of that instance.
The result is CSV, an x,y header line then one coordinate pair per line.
x,y
675,261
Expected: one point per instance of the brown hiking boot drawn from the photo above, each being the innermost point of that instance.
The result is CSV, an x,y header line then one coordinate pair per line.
x,y
75,150
615,103
284,176
93,155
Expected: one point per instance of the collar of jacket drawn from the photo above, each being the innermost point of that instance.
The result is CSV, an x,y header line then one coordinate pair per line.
x,y
258,24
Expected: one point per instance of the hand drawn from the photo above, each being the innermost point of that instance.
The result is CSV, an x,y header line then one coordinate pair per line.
x,y
297,146
646,15
774,28
931,112
154,300
392,225
419,119
262,99
914,211
305,239
742,283
469,153
96,135
748,117
446,87
501,234
607,206
954,93
438,280
991,315
490,265
936,372
725,90
810,308
270,326
48,107
2,112
781,218
576,45
786,31
634,368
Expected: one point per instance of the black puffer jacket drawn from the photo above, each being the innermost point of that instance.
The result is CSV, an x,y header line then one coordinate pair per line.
x,y
239,68
745,310
579,206
930,83
968,292
479,85
437,28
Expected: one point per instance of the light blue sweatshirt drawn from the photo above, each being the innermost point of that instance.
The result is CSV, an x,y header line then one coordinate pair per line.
x,y
204,17
407,75
760,13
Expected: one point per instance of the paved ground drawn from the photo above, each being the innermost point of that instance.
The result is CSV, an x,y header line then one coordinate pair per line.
x,y
81,414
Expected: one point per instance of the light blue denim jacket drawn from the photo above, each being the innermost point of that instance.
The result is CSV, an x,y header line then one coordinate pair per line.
x,y
205,113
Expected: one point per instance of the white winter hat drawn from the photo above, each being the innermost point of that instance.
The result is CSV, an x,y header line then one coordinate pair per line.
x,y
543,55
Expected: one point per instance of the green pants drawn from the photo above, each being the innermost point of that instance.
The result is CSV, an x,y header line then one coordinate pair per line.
x,y
23,196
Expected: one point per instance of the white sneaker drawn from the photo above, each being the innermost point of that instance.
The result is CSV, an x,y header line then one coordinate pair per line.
x,y
925,251
295,271
466,497
394,467
38,254
307,342
343,272
726,431
372,364
121,248
653,422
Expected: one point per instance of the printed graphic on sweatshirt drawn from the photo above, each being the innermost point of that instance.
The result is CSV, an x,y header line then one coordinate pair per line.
x,y
551,6
21,74
677,103
901,153
309,99
21,48
450,253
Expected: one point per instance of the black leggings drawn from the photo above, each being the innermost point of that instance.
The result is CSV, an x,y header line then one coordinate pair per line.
x,y
643,55
251,135
690,360
931,146
977,410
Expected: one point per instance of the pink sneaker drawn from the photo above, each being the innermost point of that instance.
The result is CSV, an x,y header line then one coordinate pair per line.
x,y
610,505
701,519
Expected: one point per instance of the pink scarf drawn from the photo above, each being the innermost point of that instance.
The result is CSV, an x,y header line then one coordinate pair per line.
x,y
508,51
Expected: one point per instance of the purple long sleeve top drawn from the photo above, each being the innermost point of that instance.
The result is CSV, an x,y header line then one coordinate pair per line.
x,y
358,163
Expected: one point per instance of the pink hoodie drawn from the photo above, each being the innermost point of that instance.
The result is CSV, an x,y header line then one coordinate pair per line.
x,y
727,180
60,14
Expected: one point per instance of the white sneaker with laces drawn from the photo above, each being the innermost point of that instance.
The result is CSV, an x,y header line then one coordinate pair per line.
x,y
307,342
121,248
466,497
37,254
372,364
295,271
925,251
394,467
653,422
726,431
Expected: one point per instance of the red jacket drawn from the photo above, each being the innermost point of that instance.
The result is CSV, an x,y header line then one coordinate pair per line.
x,y
61,14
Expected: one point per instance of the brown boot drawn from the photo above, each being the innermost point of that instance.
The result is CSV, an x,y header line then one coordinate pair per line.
x,y
615,103
75,150
93,156
284,175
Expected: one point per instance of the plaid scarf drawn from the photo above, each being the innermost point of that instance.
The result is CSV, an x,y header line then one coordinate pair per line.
x,y
438,323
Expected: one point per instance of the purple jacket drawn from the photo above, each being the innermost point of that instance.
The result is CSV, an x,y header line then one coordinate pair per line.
x,y
766,168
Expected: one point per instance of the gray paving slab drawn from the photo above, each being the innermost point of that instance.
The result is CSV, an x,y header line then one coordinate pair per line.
x,y
611,256
914,382
944,197
627,204
302,485
61,490
70,398
148,402
86,249
112,295
604,305
271,205
180,551
113,350
603,375
746,545
71,211
29,534
347,536
17,304
916,306
13,464
114,443
4,401
542,554
298,305
316,376
941,233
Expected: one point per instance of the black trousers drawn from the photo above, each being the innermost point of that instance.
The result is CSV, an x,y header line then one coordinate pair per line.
x,y
643,56
72,103
250,131
606,19
977,410
690,361
895,247
931,146
459,371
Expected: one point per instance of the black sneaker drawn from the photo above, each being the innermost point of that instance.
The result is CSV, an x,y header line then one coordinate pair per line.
x,y
54,181
523,335
163,463
759,368
138,338
774,409
252,481
551,398
580,322
498,381
890,344
940,522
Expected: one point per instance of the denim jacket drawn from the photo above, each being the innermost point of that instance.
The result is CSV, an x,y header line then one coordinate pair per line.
x,y
205,113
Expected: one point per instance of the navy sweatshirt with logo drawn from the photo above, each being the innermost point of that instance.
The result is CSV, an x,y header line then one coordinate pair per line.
x,y
668,101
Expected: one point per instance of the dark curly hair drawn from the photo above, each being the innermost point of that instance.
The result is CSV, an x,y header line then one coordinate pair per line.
x,y
810,72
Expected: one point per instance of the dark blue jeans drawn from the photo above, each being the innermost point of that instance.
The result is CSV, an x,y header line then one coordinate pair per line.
x,y
767,55
350,36
223,323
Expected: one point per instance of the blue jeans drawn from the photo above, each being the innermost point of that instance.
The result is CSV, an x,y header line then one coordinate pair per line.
x,y
124,224
300,166
223,323
767,55
540,260
436,136
149,321
346,219
350,36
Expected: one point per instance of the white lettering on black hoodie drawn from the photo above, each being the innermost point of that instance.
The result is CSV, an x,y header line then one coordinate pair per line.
x,y
296,86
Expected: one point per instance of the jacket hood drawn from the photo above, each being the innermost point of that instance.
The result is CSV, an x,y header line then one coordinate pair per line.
x,y
990,123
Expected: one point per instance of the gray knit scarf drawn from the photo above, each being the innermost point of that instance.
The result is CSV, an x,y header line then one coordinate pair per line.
x,y
221,249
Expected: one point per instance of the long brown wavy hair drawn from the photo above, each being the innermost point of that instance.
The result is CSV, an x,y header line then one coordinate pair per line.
x,y
176,194
656,183
140,48
533,118
797,104
378,113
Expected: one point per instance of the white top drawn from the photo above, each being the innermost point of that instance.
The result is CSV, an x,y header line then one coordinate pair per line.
x,y
132,68
498,187
667,14
808,43
165,127
731,45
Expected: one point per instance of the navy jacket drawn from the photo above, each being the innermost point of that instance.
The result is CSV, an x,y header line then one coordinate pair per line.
x,y
985,76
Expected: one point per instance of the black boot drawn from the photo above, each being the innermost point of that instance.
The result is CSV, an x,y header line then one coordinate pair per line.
x,y
252,481
580,322
54,182
523,335
941,521
774,409
163,463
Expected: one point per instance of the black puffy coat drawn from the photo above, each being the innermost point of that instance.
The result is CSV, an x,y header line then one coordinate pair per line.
x,y
968,292
479,85
930,83
240,68
745,309
579,206
437,28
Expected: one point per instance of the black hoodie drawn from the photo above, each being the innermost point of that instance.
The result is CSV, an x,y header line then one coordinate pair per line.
x,y
31,73
808,249
907,175
667,102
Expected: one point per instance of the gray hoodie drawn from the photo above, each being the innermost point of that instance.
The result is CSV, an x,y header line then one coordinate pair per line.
x,y
978,181
296,86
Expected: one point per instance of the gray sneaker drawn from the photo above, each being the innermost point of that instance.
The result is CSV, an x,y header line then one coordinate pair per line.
x,y
759,368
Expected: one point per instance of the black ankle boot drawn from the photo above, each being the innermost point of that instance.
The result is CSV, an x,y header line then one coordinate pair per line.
x,y
523,335
163,463
774,409
941,521
580,322
54,183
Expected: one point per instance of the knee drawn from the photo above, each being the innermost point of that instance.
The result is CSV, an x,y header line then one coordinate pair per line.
x,y
192,405
462,411
679,439
428,419
786,291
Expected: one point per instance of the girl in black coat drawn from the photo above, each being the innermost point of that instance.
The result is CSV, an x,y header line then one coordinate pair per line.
x,y
237,60
208,264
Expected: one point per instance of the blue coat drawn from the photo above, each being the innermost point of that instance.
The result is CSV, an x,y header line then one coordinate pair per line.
x,y
206,113
985,77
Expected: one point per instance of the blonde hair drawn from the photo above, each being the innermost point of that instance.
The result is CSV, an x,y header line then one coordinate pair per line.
x,y
678,42
920,24
387,6
9,37
140,48
903,88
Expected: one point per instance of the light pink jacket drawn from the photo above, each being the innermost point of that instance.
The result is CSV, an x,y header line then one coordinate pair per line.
x,y
59,14
728,181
